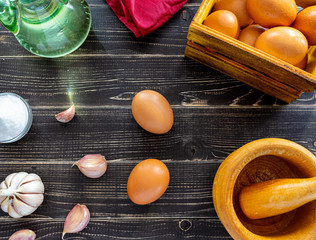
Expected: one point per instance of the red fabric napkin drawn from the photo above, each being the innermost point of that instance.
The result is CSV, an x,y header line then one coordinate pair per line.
x,y
144,16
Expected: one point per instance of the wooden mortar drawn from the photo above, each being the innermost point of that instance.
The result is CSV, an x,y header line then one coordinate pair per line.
x,y
259,161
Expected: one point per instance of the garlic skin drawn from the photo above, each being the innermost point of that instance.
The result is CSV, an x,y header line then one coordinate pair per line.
x,y
24,234
21,194
76,220
67,115
92,165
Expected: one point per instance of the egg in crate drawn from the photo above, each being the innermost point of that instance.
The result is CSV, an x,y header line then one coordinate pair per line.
x,y
306,23
305,3
250,34
285,43
302,64
238,7
223,21
272,13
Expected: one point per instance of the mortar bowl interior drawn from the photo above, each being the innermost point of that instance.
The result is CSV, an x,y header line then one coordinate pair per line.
x,y
257,161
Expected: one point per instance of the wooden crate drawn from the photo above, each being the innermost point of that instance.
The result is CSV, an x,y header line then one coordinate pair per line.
x,y
244,62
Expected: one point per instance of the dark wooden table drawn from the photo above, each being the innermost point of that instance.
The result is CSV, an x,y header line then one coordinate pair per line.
x,y
214,115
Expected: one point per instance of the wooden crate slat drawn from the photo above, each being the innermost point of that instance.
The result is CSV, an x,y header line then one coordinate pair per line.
x,y
244,74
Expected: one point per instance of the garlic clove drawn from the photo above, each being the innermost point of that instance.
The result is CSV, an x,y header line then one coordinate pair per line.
x,y
92,165
77,219
16,180
12,212
9,178
30,177
67,115
31,187
31,199
2,198
24,234
3,185
5,204
22,208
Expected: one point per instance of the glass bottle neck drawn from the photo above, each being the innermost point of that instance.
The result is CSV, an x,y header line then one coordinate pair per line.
x,y
37,11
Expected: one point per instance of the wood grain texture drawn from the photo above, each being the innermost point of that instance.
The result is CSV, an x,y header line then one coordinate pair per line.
x,y
214,115
125,229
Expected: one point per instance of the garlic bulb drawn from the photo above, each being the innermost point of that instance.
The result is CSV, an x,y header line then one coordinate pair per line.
x,y
21,194
92,165
76,220
67,115
24,234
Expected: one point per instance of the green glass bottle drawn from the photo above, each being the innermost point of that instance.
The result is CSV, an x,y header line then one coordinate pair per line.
x,y
48,28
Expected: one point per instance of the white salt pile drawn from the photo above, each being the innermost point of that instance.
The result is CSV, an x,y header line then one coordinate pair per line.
x,y
14,117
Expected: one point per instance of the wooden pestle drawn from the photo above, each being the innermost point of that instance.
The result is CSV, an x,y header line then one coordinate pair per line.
x,y
274,197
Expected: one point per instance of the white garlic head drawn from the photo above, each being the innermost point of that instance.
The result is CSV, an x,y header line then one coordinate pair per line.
x,y
21,194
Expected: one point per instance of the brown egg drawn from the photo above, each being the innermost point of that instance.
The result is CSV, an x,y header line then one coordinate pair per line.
x,y
302,64
152,112
238,7
305,3
223,21
306,23
147,181
250,34
272,13
286,43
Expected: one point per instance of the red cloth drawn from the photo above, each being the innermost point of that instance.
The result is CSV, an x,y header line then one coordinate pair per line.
x,y
144,16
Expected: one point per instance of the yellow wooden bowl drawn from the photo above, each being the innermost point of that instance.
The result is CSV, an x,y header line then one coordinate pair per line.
x,y
258,161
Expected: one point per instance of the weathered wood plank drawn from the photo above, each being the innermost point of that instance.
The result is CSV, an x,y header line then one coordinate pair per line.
x,y
176,228
188,194
212,131
112,80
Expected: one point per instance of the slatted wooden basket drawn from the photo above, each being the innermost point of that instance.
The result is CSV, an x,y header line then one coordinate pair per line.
x,y
246,63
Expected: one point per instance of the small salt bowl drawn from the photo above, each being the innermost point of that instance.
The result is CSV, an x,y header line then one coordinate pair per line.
x,y
258,161
15,117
